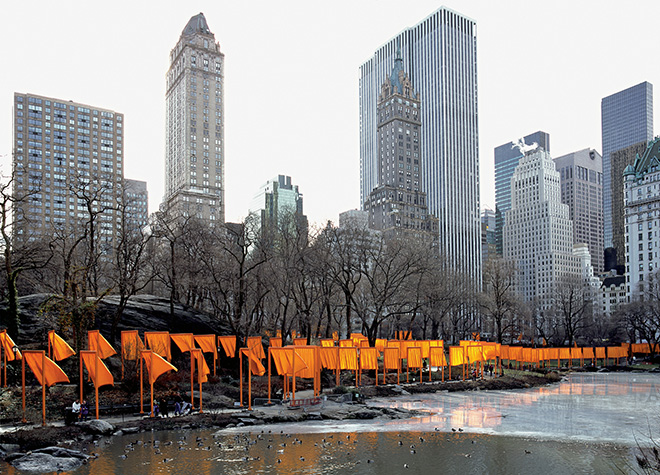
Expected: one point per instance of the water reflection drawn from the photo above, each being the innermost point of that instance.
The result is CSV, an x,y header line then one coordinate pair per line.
x,y
584,424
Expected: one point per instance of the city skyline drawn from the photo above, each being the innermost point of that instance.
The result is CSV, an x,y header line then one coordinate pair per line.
x,y
263,124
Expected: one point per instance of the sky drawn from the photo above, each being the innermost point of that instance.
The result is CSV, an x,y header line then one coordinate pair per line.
x,y
292,71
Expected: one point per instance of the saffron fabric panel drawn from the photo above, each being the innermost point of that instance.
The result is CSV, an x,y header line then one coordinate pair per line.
x,y
159,343
156,365
391,358
61,349
457,355
46,370
414,357
206,343
131,345
369,358
255,344
228,344
8,345
96,342
437,356
185,341
348,358
92,362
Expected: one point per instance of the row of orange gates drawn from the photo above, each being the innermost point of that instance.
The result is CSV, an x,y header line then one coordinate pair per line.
x,y
299,360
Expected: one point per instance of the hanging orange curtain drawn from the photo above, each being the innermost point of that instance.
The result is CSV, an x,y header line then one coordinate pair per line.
x,y
327,343
328,357
61,349
299,341
308,355
255,345
50,373
348,358
156,365
185,341
131,345
425,345
391,358
283,359
346,343
8,346
437,356
228,344
527,355
96,342
552,353
369,358
456,356
104,377
206,343
203,370
490,350
414,357
504,352
275,342
475,353
600,352
515,353
588,353
564,353
380,344
159,343
255,363
576,353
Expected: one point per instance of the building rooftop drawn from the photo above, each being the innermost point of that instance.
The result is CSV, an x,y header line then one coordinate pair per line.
x,y
197,24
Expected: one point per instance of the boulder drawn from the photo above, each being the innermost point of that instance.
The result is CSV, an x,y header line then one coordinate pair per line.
x,y
97,426
50,459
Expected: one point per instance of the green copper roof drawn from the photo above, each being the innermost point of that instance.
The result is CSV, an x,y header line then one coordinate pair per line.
x,y
649,159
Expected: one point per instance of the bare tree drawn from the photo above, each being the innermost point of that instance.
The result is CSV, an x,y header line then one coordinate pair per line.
x,y
21,253
393,273
572,304
498,300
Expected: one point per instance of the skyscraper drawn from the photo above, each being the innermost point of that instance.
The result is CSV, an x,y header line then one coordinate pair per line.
x,y
619,161
69,158
538,233
626,119
582,190
488,229
194,132
397,203
440,54
507,157
278,203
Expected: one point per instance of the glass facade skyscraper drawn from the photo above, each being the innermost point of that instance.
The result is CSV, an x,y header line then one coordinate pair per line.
x,y
507,157
440,54
626,119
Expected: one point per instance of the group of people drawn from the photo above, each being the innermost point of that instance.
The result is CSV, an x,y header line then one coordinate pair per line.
x,y
181,408
80,411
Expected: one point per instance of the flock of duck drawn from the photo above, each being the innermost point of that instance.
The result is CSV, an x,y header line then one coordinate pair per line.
x,y
280,443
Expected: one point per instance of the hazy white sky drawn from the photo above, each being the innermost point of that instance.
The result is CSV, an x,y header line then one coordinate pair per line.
x,y
291,94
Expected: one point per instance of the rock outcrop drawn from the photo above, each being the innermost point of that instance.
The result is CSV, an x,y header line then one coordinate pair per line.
x,y
49,459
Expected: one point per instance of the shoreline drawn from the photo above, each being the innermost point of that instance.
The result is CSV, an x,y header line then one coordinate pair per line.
x,y
37,437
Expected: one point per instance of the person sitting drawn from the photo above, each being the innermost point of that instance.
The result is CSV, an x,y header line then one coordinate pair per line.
x,y
84,411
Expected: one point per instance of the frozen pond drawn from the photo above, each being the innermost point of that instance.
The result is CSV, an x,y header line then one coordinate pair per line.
x,y
585,424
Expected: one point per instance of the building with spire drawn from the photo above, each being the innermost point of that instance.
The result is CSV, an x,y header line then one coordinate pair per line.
x,y
642,220
538,234
440,54
194,131
399,203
